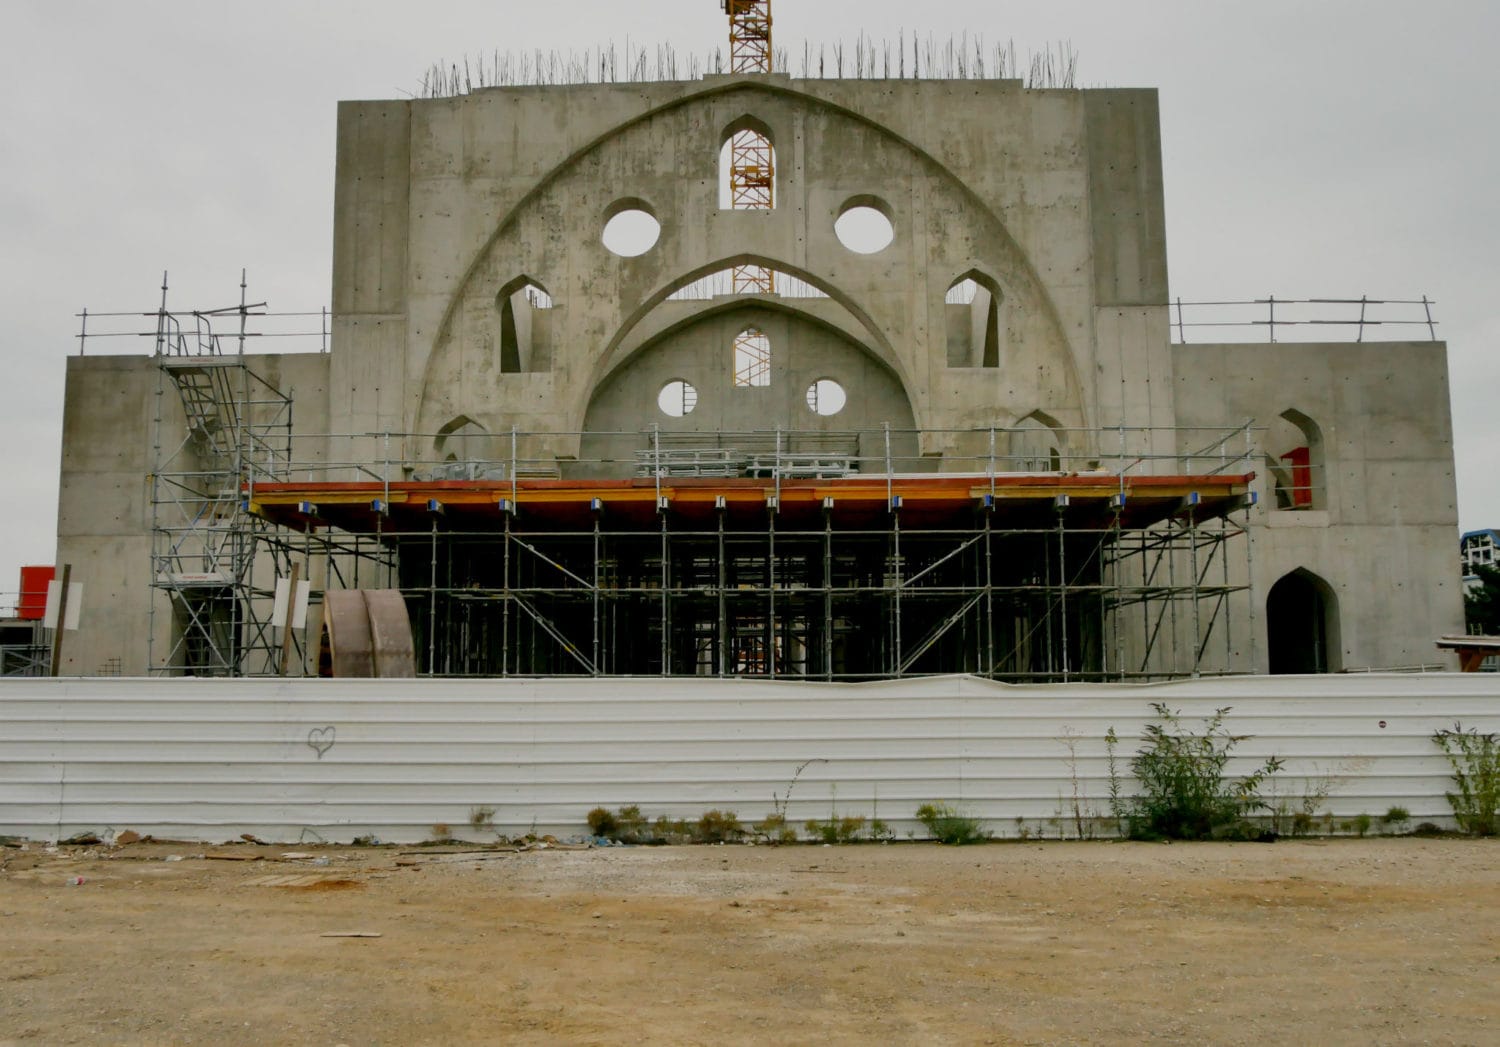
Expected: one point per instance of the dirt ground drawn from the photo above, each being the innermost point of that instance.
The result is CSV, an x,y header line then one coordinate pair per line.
x,y
1391,941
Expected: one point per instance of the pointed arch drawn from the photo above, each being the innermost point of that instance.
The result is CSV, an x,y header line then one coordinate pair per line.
x,y
747,166
752,358
972,311
1296,462
522,336
459,440
1037,443
1302,625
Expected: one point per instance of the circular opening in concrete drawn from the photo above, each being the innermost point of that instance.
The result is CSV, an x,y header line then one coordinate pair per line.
x,y
677,398
632,232
826,397
864,229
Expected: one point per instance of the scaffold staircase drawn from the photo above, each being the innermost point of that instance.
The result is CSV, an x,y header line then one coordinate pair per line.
x,y
234,430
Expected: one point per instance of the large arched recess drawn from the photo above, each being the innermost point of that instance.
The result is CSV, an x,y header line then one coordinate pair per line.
x,y
739,418
507,251
1302,625
618,350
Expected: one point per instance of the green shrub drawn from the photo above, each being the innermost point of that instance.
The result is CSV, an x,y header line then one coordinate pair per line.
x,y
1475,759
1362,824
1395,818
949,825
1185,793
836,829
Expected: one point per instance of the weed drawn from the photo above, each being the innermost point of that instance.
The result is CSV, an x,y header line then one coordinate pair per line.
x,y
1082,816
670,830
1475,759
1361,823
1395,819
1116,800
837,830
631,825
949,825
482,819
718,827
881,832
773,829
440,833
1302,823
603,823
1185,792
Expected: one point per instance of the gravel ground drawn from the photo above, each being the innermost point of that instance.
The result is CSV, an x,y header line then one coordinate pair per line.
x,y
1389,941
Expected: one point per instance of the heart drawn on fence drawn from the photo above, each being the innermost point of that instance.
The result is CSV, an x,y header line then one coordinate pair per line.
x,y
320,740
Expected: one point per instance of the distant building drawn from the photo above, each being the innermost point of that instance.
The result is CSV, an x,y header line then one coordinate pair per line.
x,y
1478,549
23,650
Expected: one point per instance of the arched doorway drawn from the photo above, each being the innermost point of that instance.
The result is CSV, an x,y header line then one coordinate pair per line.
x,y
1302,625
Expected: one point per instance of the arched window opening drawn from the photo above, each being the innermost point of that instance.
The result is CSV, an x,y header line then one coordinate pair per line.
x,y
1036,445
972,311
463,450
747,182
525,327
1302,625
1294,459
747,168
752,359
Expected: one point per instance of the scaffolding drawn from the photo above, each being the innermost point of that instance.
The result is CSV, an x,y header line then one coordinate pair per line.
x,y
1020,554
799,561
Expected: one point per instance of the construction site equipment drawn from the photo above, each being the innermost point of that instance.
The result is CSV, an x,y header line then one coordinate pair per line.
x,y
752,165
366,633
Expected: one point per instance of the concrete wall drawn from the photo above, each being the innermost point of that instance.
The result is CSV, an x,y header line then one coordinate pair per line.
x,y
702,353
1028,187
1381,532
112,445
335,759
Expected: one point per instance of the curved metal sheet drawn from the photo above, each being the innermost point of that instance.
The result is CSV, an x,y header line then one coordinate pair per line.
x,y
390,632
346,647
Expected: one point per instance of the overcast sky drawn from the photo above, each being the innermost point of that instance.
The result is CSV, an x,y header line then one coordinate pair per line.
x,y
1313,148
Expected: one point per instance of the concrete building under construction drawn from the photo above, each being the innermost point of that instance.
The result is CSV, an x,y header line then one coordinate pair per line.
x,y
748,374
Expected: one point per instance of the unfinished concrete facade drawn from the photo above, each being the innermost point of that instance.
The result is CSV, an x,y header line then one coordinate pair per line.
x,y
1014,324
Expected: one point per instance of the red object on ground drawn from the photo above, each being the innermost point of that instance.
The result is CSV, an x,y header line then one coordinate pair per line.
x,y
32,606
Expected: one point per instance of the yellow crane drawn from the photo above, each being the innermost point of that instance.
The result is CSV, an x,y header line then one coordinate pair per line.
x,y
752,173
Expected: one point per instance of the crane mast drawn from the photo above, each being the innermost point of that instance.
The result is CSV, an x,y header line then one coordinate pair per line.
x,y
752,175
749,35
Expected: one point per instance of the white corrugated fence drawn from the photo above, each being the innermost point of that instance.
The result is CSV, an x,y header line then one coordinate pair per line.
x,y
336,759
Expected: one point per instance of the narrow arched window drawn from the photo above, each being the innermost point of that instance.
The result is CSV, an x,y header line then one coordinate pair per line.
x,y
524,330
747,167
752,358
1294,458
972,311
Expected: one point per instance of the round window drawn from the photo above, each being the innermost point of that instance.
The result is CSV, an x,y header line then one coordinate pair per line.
x,y
631,233
826,397
677,398
864,229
